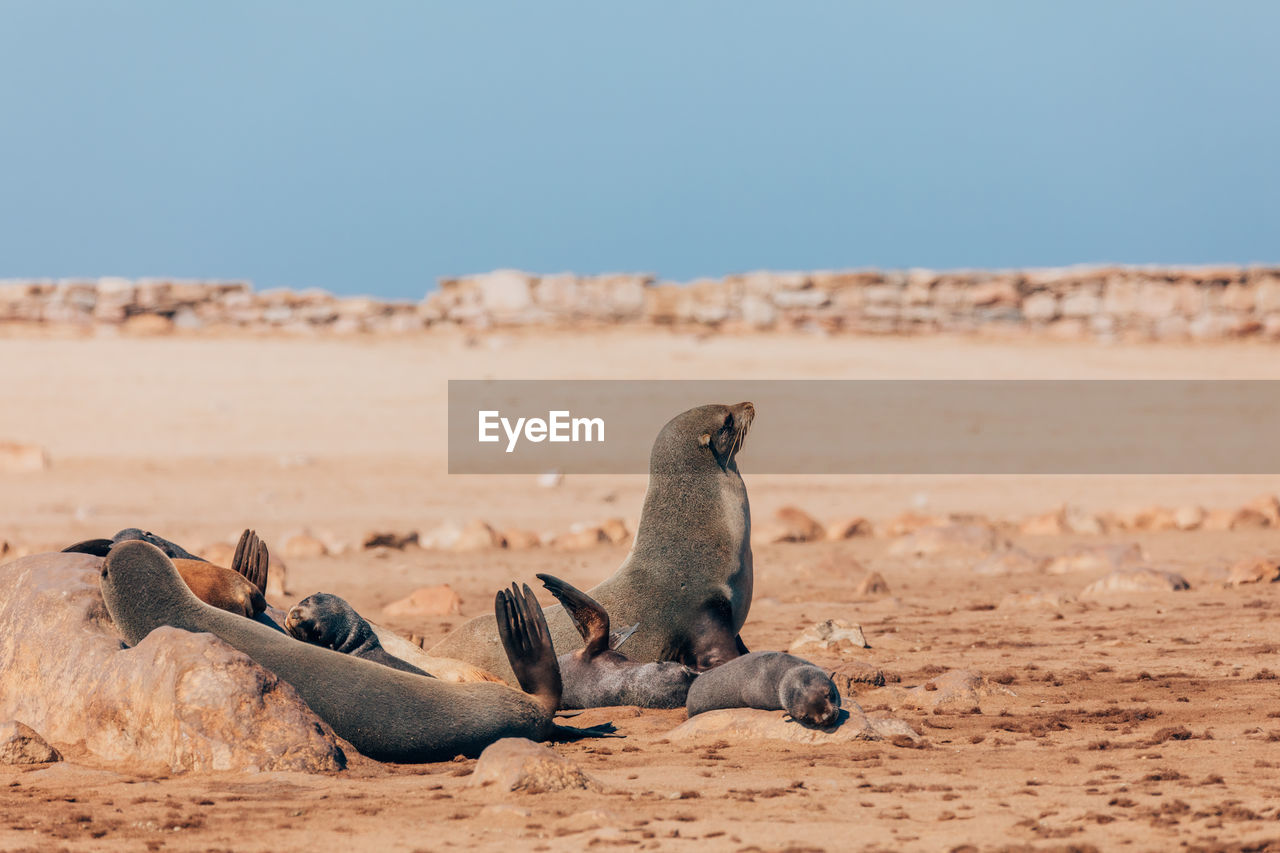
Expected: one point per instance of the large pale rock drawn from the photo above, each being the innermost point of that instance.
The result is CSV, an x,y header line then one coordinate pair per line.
x,y
20,744
517,764
738,725
478,535
17,457
1097,558
1138,579
303,546
178,700
426,601
830,637
581,538
956,539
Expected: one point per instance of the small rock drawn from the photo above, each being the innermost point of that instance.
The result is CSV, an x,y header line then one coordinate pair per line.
x,y
907,523
387,539
848,528
949,539
1010,561
1097,558
427,601
1217,520
580,539
19,744
798,526
1077,521
303,546
1047,600
477,535
615,529
521,540
856,672
1249,518
16,457
1049,524
441,538
145,325
1254,570
1268,507
873,584
833,636
1188,517
1139,579
517,764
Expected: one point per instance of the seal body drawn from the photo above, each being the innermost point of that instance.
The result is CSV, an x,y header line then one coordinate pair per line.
x,y
769,681
687,582
597,675
386,714
328,621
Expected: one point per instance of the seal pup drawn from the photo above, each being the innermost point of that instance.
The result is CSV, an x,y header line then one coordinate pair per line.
x,y
386,714
597,675
770,681
326,620
687,582
235,590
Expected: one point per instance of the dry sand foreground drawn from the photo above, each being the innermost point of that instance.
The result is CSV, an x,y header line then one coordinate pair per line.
x,y
1144,722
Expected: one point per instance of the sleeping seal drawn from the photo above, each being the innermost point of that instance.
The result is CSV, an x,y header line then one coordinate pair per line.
x,y
386,714
329,621
770,681
687,581
596,676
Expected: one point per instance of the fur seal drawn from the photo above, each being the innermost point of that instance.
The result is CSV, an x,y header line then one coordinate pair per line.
x,y
330,622
597,676
770,681
386,714
236,590
687,581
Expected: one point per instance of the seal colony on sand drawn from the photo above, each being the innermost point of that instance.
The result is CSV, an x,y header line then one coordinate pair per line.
x,y
687,581
386,714
597,676
330,622
237,590
769,681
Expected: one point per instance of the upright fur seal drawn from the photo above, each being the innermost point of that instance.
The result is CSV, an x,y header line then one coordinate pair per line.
x,y
597,676
770,681
687,581
330,622
236,590
386,714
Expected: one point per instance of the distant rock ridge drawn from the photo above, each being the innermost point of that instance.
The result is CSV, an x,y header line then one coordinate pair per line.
x,y
1105,302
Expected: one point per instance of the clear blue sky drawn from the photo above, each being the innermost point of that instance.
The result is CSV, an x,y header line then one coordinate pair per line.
x,y
369,147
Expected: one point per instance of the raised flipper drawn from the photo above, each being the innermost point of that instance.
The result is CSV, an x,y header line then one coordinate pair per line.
x,y
96,547
591,620
527,642
252,560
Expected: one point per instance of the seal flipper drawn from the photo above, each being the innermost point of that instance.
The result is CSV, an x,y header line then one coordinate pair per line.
x,y
252,560
591,620
527,642
96,547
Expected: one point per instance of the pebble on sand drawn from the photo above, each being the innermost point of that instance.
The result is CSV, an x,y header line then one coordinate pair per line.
x,y
831,637
20,744
520,765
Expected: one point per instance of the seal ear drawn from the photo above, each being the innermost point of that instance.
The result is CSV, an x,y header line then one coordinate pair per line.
x,y
704,439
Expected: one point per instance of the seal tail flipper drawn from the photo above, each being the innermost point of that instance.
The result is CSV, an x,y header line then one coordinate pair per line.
x,y
591,620
252,560
568,734
527,642
96,547
617,638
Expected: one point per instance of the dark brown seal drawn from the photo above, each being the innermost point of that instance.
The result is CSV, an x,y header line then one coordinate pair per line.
x,y
328,621
687,581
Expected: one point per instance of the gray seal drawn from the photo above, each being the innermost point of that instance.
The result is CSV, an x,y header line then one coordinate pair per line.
x,y
330,622
597,675
770,681
386,714
687,582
